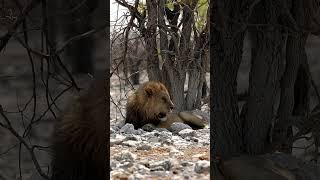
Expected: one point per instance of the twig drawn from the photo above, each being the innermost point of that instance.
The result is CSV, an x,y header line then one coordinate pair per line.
x,y
5,38
40,54
21,140
34,92
78,37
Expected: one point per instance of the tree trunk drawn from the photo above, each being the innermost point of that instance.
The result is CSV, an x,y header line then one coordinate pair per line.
x,y
153,70
226,45
195,73
75,23
173,75
294,90
267,59
168,59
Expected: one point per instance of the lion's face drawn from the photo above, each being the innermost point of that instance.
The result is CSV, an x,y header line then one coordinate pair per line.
x,y
158,103
163,107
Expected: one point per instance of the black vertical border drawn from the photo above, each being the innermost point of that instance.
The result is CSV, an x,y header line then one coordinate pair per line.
x,y
107,87
212,156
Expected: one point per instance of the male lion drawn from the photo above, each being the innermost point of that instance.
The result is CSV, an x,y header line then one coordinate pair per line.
x,y
151,103
80,140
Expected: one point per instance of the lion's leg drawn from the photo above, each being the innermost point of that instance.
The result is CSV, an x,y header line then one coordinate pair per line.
x,y
192,119
171,118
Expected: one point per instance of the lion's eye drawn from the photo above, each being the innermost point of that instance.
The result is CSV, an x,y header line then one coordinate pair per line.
x,y
164,99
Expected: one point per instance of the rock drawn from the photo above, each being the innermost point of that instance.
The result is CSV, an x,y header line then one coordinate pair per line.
x,y
178,141
154,139
177,127
157,168
162,129
144,147
126,156
112,131
115,128
202,166
131,177
156,153
127,129
139,132
131,143
145,163
131,137
194,139
126,165
175,152
165,134
166,142
161,165
165,137
187,133
113,164
199,156
186,163
142,169
117,140
148,127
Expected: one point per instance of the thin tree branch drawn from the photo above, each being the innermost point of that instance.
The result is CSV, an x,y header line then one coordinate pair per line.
x,y
26,10
21,140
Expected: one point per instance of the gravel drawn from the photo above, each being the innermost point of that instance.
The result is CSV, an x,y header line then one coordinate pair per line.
x,y
156,153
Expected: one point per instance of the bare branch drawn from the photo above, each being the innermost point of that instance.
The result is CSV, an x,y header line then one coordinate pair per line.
x,y
78,37
5,38
21,139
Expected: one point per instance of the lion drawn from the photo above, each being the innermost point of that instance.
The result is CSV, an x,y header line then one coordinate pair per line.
x,y
151,104
80,139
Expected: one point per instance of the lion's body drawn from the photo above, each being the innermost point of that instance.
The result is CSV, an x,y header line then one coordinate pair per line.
x,y
80,138
151,104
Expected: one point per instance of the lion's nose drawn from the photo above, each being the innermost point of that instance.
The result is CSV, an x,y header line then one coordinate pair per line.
x,y
172,106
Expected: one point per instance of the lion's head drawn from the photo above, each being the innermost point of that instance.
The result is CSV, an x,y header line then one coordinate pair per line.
x,y
150,104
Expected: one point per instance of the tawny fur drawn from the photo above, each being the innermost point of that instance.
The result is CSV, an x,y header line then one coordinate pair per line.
x,y
259,167
195,121
80,138
151,99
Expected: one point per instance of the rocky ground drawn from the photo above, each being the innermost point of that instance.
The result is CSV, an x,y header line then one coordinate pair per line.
x,y
151,153
148,153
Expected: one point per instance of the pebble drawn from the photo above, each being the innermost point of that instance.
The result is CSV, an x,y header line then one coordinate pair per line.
x,y
202,166
117,140
187,133
148,127
145,147
126,156
131,143
127,129
177,127
174,152
159,165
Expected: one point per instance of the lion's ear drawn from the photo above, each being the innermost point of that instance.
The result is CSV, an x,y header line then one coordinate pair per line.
x,y
148,91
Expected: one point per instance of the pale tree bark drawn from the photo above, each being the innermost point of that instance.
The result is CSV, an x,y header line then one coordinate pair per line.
x,y
197,72
153,70
184,57
170,72
174,65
